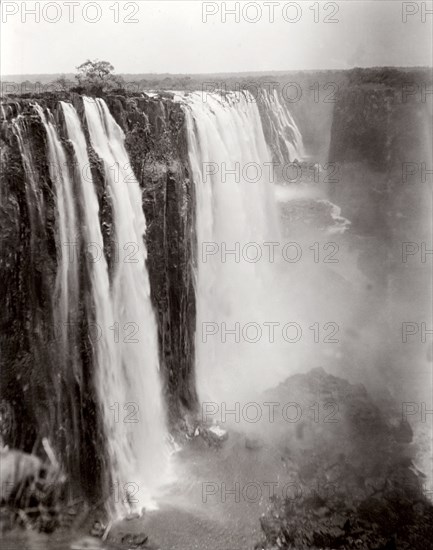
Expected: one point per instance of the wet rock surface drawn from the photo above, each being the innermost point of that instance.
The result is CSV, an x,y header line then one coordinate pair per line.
x,y
34,369
156,141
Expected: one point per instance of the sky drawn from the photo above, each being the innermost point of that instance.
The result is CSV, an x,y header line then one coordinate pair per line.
x,y
198,37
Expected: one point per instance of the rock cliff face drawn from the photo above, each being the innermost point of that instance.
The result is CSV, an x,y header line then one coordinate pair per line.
x,y
157,144
380,137
43,397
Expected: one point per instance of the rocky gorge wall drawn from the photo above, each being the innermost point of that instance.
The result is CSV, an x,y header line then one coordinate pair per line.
x,y
43,397
381,134
381,142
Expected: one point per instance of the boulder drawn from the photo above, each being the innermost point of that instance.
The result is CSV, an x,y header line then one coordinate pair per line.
x,y
134,541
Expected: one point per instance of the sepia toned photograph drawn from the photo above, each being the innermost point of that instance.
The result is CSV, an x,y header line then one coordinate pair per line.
x,y
216,275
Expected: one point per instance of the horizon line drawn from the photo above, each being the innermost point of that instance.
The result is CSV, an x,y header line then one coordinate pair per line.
x,y
282,71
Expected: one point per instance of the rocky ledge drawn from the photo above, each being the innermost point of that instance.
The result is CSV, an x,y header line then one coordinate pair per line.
x,y
354,481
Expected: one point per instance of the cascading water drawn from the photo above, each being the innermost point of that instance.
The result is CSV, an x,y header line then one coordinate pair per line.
x,y
37,328
237,219
67,287
66,295
285,136
130,379
32,189
114,312
108,372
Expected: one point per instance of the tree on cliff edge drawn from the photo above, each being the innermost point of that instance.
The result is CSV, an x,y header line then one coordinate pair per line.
x,y
97,76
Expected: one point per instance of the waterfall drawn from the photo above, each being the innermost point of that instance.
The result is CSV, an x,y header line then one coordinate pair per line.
x,y
66,298
236,211
66,293
95,311
107,371
285,137
129,379
52,404
32,188
110,300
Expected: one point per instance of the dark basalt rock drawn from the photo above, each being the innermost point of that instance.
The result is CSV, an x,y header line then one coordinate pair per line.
x,y
356,484
135,541
375,130
34,369
49,394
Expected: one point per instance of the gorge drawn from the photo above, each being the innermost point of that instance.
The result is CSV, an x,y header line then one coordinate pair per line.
x,y
134,312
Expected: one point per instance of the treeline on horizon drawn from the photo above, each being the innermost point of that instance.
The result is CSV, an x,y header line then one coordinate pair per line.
x,y
129,83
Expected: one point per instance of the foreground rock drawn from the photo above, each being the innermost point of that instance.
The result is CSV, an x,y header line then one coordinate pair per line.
x,y
356,486
30,491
